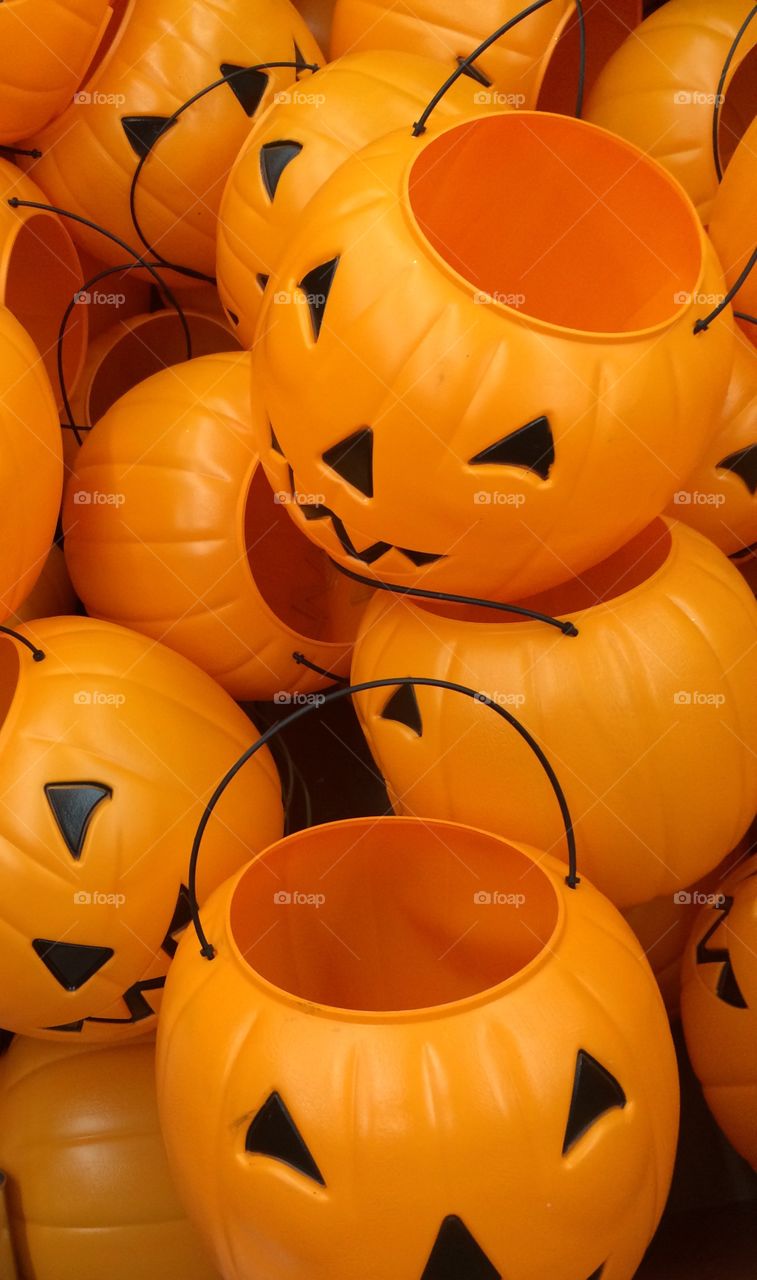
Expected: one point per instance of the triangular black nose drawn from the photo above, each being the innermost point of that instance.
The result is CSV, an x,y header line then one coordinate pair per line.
x,y
595,1091
457,1256
70,963
143,131
73,804
247,84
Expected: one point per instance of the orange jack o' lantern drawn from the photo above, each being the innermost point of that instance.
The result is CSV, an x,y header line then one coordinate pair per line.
x,y
45,48
88,1190
733,225
719,1006
109,747
200,553
527,64
719,498
660,773
299,142
478,372
31,470
398,964
686,63
164,53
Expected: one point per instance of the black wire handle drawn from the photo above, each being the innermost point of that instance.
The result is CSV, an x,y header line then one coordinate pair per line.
x,y
170,121
721,85
302,661
38,655
572,879
89,284
420,125
140,261
704,322
567,628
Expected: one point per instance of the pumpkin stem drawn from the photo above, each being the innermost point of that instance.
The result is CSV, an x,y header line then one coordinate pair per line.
x,y
572,879
465,63
232,76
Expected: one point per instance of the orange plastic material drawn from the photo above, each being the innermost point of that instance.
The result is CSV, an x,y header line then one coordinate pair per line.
x,y
733,225
31,468
298,144
40,273
319,15
8,1267
370,1065
164,52
719,498
109,749
45,49
647,715
497,379
747,567
88,1190
132,350
660,89
516,67
200,553
51,596
719,1007
117,297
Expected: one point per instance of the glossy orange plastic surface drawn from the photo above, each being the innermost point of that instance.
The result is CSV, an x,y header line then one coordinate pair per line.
x,y
164,52
647,715
200,553
719,498
319,15
491,393
733,225
719,1007
40,273
518,66
109,748
660,89
31,466
300,141
88,1191
45,48
392,1048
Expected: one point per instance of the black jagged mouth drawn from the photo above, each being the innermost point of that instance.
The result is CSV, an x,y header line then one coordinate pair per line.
x,y
370,554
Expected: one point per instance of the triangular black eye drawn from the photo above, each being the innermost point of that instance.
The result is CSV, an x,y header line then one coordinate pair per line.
x,y
728,989
234,318
301,61
181,917
743,463
70,963
73,804
531,447
273,1133
597,1275
143,131
420,557
595,1091
316,286
352,459
275,444
402,706
475,74
457,1256
262,280
274,158
247,85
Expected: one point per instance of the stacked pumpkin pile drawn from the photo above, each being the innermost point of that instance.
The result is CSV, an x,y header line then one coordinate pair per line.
x,y
433,365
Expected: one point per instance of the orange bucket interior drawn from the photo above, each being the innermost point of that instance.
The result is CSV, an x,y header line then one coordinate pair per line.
x,y
582,229
296,579
739,107
389,914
